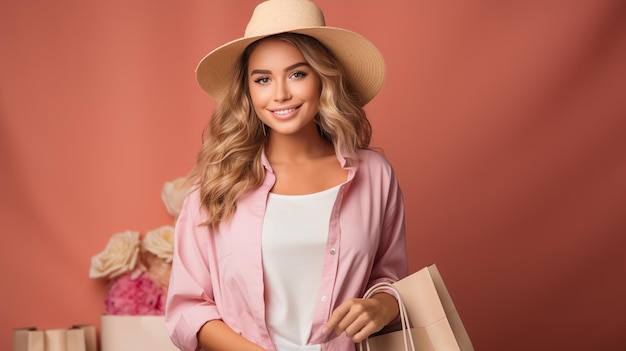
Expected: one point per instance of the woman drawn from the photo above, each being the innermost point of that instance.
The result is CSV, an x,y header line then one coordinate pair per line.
x,y
292,217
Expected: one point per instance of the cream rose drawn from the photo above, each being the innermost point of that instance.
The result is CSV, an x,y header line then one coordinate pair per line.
x,y
160,242
173,194
119,256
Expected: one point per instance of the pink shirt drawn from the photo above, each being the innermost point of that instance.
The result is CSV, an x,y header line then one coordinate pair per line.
x,y
218,273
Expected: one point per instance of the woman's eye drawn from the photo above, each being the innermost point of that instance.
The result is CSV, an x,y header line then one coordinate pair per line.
x,y
298,75
262,80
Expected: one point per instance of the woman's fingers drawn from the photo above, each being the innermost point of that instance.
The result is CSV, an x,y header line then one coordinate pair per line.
x,y
336,317
355,317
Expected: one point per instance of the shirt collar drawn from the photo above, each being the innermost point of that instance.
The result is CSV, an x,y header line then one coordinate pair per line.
x,y
340,156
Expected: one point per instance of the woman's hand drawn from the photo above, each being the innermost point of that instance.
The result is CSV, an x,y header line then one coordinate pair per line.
x,y
359,318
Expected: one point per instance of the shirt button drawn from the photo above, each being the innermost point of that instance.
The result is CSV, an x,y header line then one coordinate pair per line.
x,y
324,298
333,251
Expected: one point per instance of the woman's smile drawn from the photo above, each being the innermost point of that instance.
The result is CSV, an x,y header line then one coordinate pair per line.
x,y
285,113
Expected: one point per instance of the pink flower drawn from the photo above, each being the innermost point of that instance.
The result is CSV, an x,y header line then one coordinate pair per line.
x,y
134,296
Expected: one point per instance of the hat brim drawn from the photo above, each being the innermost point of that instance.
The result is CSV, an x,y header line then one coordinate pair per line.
x,y
364,64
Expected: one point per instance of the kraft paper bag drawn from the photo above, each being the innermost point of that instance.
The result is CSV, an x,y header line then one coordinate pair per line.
x,y
89,331
77,338
435,324
64,339
28,339
133,333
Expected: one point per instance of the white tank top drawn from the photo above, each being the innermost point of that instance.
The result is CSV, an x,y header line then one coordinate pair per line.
x,y
295,231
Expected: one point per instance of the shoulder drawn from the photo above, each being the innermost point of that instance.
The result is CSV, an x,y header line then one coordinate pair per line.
x,y
192,205
194,195
374,165
374,174
373,159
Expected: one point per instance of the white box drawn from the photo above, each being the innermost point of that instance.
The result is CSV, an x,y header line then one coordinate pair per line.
x,y
134,333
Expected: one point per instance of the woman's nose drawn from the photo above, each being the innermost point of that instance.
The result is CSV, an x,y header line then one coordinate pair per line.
x,y
282,92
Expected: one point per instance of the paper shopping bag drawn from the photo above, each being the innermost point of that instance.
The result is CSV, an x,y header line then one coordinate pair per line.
x,y
28,339
435,324
64,339
89,331
77,338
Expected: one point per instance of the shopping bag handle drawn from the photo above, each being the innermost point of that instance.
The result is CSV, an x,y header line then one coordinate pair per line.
x,y
404,317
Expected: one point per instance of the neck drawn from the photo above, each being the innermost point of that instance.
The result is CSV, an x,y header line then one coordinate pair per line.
x,y
298,148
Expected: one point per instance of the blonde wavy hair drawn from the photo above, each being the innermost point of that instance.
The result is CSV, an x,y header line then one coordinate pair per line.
x,y
229,161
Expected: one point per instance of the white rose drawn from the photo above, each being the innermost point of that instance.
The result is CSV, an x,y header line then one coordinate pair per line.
x,y
173,194
160,242
119,256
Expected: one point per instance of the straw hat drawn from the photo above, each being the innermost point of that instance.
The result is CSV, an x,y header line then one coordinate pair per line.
x,y
364,65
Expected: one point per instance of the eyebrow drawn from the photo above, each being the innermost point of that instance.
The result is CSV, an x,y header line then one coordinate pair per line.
x,y
289,68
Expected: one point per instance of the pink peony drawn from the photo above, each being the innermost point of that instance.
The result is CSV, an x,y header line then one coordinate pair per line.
x,y
134,296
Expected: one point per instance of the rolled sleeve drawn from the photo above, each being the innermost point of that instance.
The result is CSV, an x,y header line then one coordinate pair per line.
x,y
190,300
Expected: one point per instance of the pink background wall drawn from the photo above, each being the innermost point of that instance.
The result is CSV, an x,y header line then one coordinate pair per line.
x,y
505,120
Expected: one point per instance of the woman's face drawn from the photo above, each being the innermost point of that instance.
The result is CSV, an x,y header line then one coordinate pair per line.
x,y
284,89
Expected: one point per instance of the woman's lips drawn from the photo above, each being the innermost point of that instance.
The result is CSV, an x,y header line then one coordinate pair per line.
x,y
285,113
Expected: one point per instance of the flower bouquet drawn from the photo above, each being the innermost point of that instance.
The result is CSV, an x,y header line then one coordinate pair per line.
x,y
137,270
